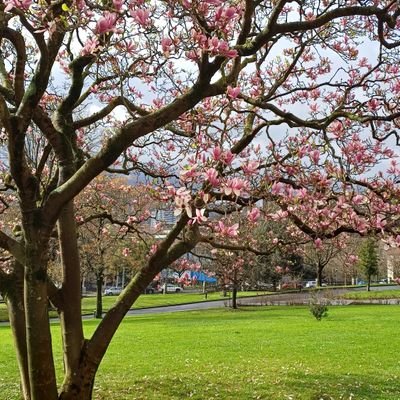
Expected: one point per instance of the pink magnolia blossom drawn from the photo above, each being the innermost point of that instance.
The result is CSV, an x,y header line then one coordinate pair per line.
x,y
217,153
318,243
130,47
361,225
254,215
380,223
251,167
21,4
301,193
358,199
220,47
314,155
91,46
276,188
126,251
223,15
199,218
228,157
233,92
373,105
229,231
232,230
189,174
106,23
182,201
166,44
225,51
118,4
396,87
279,215
141,16
235,186
211,176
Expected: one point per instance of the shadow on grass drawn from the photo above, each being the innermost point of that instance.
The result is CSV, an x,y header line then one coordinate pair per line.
x,y
326,386
293,385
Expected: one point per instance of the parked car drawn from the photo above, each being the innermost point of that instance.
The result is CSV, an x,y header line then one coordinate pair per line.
x,y
170,288
151,289
310,284
112,291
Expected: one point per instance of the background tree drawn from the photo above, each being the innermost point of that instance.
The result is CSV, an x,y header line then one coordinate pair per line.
x,y
232,269
320,254
344,266
368,259
113,218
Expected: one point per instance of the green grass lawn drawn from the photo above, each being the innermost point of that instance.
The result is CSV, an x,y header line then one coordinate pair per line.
x,y
145,301
277,353
384,294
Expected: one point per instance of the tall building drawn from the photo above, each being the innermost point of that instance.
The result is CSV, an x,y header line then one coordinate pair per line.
x,y
166,217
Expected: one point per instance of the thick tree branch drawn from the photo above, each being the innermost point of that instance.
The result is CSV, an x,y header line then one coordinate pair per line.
x,y
12,246
300,26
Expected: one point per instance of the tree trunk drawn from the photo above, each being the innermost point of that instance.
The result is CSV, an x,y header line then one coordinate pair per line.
x,y
99,294
369,283
234,296
16,312
80,385
320,268
38,336
70,315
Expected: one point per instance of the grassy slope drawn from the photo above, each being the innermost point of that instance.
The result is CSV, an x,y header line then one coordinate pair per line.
x,y
276,353
385,294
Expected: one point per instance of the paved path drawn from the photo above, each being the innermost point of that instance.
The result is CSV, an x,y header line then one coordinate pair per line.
x,y
180,307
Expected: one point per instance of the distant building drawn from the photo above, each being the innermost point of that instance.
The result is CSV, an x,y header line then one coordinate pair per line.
x,y
165,217
392,263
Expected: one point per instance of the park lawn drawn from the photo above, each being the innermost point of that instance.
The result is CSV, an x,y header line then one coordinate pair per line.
x,y
279,353
145,301
384,294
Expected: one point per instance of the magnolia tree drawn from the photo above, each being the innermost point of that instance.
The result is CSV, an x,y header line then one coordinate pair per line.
x,y
231,269
218,105
113,219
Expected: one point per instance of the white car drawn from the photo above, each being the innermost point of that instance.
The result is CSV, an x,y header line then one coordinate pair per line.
x,y
311,284
171,288
112,291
